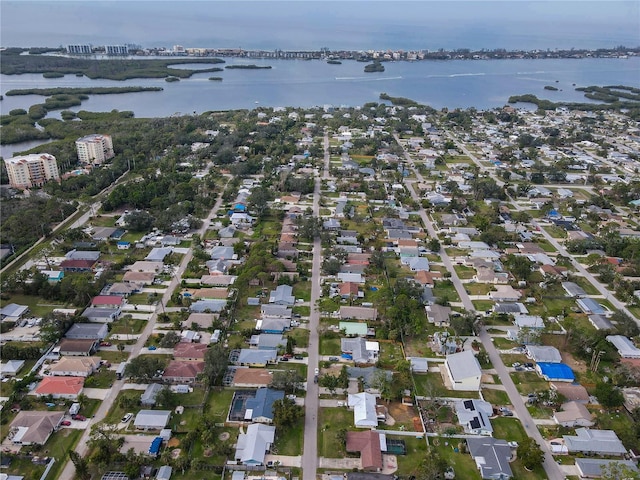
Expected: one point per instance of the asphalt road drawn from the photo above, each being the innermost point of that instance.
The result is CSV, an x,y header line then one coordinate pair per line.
x,y
310,452
551,467
69,470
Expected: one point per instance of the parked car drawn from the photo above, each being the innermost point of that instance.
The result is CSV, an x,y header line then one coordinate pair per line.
x,y
105,344
65,423
126,418
298,357
334,359
316,371
284,359
152,347
80,418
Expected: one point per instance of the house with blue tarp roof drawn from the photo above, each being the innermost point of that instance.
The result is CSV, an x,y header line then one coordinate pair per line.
x,y
555,372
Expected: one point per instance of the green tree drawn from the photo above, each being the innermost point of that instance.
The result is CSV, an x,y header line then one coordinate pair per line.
x,y
530,453
216,361
81,465
289,380
166,398
609,395
618,471
144,368
170,340
286,413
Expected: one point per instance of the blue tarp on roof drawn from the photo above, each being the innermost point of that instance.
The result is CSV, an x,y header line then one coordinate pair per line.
x,y
556,371
154,449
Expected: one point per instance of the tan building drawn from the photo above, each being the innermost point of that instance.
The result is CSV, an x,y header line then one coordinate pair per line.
x,y
94,149
27,171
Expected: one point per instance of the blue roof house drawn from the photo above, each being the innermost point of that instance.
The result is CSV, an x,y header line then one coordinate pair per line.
x,y
555,372
259,409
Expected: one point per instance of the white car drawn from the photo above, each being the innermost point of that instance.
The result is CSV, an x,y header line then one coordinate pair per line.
x,y
126,418
316,371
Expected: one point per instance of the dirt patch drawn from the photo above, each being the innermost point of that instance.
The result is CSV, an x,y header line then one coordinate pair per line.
x,y
417,424
401,413
224,436
575,364
175,453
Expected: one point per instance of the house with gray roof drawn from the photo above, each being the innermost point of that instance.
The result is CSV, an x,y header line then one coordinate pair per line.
x,y
600,322
268,341
260,408
512,308
625,347
83,255
93,331
282,295
593,467
492,457
13,311
101,315
270,310
463,371
474,415
543,353
600,442
152,419
437,314
211,306
360,350
252,446
157,254
148,398
573,290
273,324
222,253
256,358
591,307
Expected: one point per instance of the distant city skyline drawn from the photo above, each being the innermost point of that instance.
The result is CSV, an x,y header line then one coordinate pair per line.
x,y
350,25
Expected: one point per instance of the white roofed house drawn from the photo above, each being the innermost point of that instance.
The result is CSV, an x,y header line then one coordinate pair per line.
x,y
152,419
360,350
474,415
625,347
253,445
282,295
463,371
541,353
573,414
364,409
601,442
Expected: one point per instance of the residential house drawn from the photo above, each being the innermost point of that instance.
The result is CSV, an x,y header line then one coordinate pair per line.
x,y
253,445
13,312
419,364
594,467
369,446
599,442
77,266
268,341
626,348
208,306
358,313
571,391
573,290
280,311
533,322
146,266
354,329
474,415
152,419
33,427
360,350
245,377
183,371
505,293
282,295
80,347
11,368
259,409
75,366
555,372
60,387
87,331
139,278
189,351
148,397
256,358
107,301
492,457
591,307
101,315
573,414
273,324
543,353
438,315
364,409
463,371
600,322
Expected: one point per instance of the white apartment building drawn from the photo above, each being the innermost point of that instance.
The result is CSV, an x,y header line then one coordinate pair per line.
x,y
27,171
94,149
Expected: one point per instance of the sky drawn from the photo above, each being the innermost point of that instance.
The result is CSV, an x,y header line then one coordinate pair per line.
x,y
348,24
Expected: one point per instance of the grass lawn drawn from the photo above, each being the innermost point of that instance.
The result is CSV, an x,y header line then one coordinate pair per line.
x,y
522,473
37,306
508,428
502,343
390,353
431,384
132,326
462,463
300,336
218,404
408,464
529,382
496,397
127,401
330,421
301,310
557,306
478,288
302,290
187,421
113,357
103,378
482,305
464,273
586,285
330,346
446,290
289,440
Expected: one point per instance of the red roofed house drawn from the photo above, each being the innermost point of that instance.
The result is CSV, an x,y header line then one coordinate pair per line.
x,y
189,351
368,444
60,387
107,301
183,371
77,265
349,289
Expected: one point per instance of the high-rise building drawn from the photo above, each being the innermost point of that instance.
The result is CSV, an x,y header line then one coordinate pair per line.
x,y
116,50
94,149
79,49
33,170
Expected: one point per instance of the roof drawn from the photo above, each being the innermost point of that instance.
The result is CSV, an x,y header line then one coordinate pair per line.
x,y
364,409
600,322
275,310
256,357
282,295
183,369
252,446
510,308
189,350
75,364
605,442
84,264
573,289
252,376
89,331
353,328
544,354
556,371
36,425
164,472
474,415
529,321
571,391
589,305
269,340
13,310
156,419
220,280
11,367
463,365
214,306
368,444
157,254
592,467
100,313
273,324
261,406
625,347
150,393
142,277
79,345
60,386
360,313
491,456
419,364
571,412
107,300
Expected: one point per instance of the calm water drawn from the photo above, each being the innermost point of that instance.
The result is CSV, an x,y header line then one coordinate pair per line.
x,y
453,84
